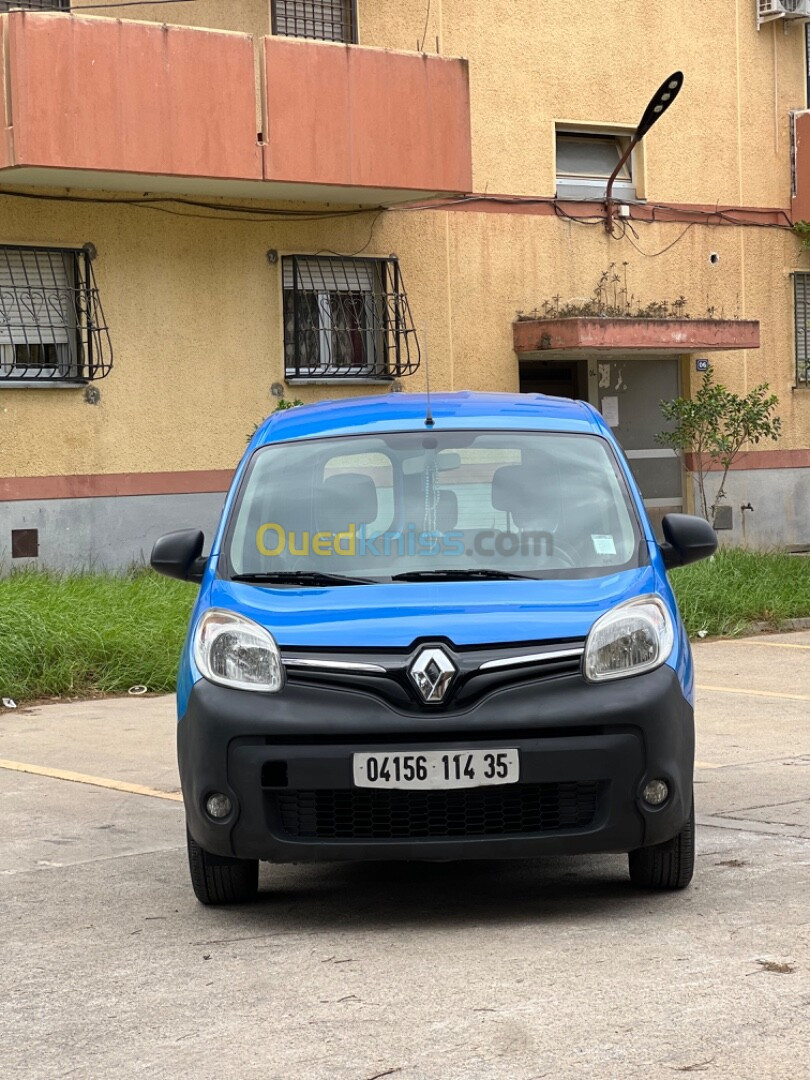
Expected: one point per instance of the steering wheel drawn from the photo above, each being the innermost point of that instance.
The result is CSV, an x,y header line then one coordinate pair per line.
x,y
566,553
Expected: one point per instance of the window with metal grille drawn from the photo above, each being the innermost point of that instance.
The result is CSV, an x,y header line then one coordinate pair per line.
x,y
346,318
34,5
326,20
51,322
801,308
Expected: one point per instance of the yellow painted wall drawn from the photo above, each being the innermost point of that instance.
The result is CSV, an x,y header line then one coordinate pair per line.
x,y
245,16
195,313
195,308
536,62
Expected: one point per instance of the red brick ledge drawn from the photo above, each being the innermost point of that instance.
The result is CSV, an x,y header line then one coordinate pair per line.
x,y
535,337
101,485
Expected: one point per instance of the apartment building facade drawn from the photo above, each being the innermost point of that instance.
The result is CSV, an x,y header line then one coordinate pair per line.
x,y
209,207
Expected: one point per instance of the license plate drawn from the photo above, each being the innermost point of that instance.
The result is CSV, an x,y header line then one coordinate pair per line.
x,y
426,770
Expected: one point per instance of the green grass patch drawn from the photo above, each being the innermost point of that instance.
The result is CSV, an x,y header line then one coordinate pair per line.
x,y
725,595
83,634
77,635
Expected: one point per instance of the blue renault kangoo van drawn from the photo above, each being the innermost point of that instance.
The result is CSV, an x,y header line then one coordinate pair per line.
x,y
434,630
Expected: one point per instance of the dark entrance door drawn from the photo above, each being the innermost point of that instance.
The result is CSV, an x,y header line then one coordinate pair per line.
x,y
627,391
560,378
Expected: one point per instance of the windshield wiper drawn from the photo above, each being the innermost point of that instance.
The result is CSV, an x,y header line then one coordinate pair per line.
x,y
460,575
300,577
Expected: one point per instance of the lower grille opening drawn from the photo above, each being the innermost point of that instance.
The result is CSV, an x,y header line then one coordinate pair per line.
x,y
274,774
516,809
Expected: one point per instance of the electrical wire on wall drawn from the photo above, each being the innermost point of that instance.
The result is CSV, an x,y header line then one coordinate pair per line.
x,y
365,247
218,211
420,46
126,3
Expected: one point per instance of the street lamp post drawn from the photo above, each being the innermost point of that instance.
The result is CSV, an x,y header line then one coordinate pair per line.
x,y
659,103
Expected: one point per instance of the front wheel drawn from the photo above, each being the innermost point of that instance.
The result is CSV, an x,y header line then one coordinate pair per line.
x,y
219,880
666,866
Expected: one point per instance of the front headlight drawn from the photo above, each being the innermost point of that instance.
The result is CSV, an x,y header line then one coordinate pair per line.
x,y
634,637
234,651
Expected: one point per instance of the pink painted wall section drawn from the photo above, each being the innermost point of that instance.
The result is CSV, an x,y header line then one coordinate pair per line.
x,y
116,96
360,117
801,200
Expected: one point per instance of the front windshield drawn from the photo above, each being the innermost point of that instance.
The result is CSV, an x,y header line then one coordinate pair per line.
x,y
434,504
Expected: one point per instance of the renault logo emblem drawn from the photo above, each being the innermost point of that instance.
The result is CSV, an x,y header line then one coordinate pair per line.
x,y
432,672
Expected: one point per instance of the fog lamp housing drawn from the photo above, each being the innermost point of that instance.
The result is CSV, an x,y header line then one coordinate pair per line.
x,y
655,793
218,805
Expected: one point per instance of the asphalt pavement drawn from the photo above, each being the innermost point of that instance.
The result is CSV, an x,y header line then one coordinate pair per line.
x,y
475,971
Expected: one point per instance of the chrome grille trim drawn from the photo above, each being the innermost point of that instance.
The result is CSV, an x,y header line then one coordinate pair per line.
x,y
534,658
332,665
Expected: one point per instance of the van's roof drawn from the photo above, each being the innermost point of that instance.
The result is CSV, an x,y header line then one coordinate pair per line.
x,y
407,412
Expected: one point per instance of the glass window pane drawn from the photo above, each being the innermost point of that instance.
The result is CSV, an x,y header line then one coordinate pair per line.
x,y
589,156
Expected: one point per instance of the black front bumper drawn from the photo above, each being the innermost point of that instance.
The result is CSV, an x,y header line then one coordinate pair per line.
x,y
586,752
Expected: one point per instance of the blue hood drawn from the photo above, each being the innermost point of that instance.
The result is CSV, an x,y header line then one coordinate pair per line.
x,y
395,615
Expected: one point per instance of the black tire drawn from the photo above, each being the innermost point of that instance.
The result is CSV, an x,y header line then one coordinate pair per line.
x,y
666,866
220,880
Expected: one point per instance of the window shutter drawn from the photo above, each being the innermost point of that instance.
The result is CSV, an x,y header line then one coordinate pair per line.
x,y
801,305
588,156
36,298
329,275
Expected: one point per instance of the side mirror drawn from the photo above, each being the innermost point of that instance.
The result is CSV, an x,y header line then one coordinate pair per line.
x,y
686,539
179,555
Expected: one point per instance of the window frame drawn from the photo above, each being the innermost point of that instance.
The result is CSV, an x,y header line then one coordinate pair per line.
x,y
627,187
390,346
7,6
349,18
801,328
87,343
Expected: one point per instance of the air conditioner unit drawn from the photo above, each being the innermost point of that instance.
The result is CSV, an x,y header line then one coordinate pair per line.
x,y
767,10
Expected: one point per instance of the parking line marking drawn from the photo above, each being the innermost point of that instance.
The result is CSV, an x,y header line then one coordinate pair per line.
x,y
93,781
707,765
754,693
770,644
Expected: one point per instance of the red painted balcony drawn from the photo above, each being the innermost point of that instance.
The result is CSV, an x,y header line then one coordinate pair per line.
x,y
355,118
103,103
801,164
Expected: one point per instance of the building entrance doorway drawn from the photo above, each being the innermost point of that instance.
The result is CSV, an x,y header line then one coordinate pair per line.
x,y
560,378
627,391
